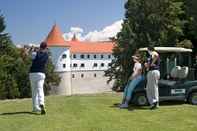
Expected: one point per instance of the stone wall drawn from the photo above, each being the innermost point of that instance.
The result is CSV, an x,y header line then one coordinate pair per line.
x,y
86,82
64,87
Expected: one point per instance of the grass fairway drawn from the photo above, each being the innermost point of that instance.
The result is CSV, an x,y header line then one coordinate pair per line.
x,y
94,113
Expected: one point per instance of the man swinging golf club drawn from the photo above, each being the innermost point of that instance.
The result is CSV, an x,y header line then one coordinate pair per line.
x,y
37,77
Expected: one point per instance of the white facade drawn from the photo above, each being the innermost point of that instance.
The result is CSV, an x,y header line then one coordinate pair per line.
x,y
80,65
87,70
90,62
61,58
81,73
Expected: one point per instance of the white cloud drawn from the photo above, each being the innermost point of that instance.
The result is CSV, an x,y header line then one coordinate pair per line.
x,y
102,35
74,30
28,44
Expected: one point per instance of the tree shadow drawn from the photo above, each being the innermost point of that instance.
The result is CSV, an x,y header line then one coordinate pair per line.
x,y
18,113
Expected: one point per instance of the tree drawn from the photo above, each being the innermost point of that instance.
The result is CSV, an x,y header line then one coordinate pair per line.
x,y
190,27
147,22
8,60
52,78
14,69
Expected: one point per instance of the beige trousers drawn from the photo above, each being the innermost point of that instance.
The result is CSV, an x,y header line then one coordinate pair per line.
x,y
152,86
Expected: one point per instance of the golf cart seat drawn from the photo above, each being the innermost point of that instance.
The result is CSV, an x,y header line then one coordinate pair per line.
x,y
178,73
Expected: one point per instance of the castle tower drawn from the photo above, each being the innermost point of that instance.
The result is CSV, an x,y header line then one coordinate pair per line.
x,y
60,54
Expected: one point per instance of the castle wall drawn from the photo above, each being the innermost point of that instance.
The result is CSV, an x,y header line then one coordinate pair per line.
x,y
86,82
61,59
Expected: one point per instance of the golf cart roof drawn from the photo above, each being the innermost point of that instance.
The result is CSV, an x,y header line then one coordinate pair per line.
x,y
168,49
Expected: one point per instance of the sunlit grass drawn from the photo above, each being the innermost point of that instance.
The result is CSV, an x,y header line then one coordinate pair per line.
x,y
94,113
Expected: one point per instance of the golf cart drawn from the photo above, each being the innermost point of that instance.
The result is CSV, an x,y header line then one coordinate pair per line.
x,y
177,77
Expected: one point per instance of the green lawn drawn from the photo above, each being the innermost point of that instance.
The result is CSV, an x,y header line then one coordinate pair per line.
x,y
94,113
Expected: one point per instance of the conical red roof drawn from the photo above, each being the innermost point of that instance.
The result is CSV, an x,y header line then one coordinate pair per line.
x,y
55,37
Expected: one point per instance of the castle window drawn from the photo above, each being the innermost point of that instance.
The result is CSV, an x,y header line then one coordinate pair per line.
x,y
82,75
74,65
95,65
73,75
101,56
95,75
95,56
74,56
82,56
82,65
88,56
109,64
64,56
102,64
64,65
109,56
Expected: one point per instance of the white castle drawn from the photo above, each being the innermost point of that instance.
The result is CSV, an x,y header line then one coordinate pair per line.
x,y
80,64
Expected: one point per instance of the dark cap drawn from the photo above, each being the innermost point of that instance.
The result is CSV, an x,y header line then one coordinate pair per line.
x,y
151,48
43,45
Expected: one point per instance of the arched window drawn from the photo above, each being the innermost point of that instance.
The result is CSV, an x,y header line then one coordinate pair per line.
x,y
74,65
88,56
73,75
109,56
102,64
95,65
109,64
82,65
82,56
82,75
64,56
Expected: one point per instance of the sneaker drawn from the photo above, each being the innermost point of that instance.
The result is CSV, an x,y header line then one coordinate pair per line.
x,y
36,110
154,106
123,106
43,111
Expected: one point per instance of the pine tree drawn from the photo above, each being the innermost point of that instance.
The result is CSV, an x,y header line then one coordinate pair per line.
x,y
8,55
14,69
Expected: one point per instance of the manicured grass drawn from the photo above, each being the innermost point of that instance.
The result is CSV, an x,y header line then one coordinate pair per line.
x,y
94,113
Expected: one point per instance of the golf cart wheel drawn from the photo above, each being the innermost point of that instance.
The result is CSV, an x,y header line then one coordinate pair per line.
x,y
140,99
193,98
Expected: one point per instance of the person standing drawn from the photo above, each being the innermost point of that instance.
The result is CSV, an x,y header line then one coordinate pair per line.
x,y
37,78
135,79
153,75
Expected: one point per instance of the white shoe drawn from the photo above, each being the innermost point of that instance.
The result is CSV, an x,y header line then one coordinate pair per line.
x,y
125,105
36,110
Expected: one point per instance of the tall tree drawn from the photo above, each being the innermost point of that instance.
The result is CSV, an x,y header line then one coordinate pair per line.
x,y
14,69
147,22
8,60
190,26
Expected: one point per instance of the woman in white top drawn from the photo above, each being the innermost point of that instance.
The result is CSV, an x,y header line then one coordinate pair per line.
x,y
135,79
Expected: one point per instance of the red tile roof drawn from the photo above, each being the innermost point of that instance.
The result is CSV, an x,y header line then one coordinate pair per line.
x,y
55,37
91,47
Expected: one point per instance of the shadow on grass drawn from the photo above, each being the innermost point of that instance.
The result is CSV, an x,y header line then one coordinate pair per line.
x,y
171,103
18,113
131,107
147,107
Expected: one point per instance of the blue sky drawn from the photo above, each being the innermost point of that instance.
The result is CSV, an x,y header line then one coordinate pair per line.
x,y
29,21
